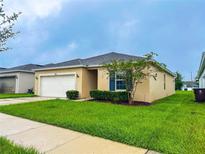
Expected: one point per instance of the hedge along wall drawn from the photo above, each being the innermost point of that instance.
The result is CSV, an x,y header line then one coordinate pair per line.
x,y
113,96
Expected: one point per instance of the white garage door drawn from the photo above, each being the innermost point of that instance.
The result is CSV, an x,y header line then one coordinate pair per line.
x,y
56,86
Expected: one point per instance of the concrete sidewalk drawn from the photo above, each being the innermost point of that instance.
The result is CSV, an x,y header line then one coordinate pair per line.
x,y
8,101
55,140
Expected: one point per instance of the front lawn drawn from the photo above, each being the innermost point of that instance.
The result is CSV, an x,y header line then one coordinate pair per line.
x,y
7,147
172,125
3,96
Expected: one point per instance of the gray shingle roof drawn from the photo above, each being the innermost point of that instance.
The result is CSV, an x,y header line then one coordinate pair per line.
x,y
28,67
1,68
107,58
96,60
69,63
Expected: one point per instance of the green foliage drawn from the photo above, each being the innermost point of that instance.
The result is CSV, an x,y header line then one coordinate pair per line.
x,y
72,94
7,147
134,71
6,26
114,96
178,81
173,125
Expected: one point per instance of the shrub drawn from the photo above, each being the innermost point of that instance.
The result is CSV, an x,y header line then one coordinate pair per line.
x,y
114,96
72,94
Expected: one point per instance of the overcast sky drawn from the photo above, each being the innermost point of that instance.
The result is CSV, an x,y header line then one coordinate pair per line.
x,y
60,30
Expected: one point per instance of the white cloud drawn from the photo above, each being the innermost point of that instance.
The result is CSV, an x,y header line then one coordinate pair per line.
x,y
34,9
58,55
127,28
72,46
123,31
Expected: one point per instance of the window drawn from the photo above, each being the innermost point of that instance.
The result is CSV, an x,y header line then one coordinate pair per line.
x,y
119,82
164,81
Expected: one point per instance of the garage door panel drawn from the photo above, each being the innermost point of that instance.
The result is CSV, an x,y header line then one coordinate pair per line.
x,y
7,84
56,86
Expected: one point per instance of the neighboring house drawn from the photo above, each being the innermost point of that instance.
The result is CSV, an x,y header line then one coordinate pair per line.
x,y
17,79
1,68
201,72
189,85
88,74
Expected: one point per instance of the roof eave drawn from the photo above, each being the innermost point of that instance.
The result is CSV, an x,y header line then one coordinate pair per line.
x,y
60,67
201,67
91,66
165,69
14,71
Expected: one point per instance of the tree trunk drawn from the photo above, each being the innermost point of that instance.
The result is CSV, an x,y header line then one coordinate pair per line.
x,y
132,93
130,99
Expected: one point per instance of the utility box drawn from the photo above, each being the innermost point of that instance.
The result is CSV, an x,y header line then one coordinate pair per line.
x,y
199,94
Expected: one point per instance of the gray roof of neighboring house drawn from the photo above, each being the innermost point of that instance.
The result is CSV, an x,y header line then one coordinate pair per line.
x,y
48,65
22,68
202,66
190,83
1,68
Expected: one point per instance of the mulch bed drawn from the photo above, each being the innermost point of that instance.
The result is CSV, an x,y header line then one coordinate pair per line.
x,y
135,103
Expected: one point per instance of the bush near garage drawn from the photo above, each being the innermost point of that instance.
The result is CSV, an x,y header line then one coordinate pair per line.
x,y
114,96
72,94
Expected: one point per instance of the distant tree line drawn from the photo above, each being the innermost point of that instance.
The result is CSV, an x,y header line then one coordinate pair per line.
x,y
178,81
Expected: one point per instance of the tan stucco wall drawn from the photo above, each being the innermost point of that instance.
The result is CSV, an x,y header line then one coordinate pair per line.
x,y
157,90
89,82
103,79
142,93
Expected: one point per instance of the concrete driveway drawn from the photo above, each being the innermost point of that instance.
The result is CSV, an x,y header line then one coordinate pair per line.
x,y
55,140
9,101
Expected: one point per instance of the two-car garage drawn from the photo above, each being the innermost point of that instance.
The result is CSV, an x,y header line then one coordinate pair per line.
x,y
57,85
55,82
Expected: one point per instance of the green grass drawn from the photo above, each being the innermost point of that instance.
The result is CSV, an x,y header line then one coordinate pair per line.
x,y
3,96
7,147
172,125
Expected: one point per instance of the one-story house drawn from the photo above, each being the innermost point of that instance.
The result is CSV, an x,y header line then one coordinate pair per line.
x,y
189,85
89,74
201,72
17,79
1,68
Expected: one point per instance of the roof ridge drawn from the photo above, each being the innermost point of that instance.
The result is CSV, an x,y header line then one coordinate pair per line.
x,y
108,53
26,65
78,59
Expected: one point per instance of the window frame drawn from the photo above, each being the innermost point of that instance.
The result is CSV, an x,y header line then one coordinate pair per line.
x,y
165,84
116,73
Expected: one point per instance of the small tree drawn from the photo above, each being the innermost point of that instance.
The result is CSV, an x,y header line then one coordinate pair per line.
x,y
178,81
134,71
6,26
